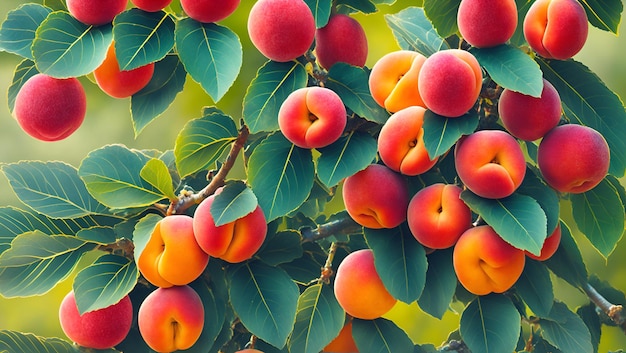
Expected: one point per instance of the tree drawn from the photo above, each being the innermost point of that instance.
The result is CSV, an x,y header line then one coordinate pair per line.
x,y
153,217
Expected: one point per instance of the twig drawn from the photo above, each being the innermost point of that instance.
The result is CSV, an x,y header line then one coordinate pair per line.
x,y
614,312
342,226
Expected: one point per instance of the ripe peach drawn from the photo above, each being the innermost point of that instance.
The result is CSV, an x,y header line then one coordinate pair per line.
x,y
282,30
171,319
401,142
95,12
450,82
151,5
359,289
529,118
121,84
550,245
393,80
484,263
209,11
556,29
437,216
172,257
249,351
573,158
50,109
98,329
343,343
490,163
341,40
312,117
376,197
487,23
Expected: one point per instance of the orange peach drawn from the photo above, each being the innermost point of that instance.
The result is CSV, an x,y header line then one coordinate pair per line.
x,y
487,23
209,11
341,40
343,343
550,245
249,351
121,83
95,12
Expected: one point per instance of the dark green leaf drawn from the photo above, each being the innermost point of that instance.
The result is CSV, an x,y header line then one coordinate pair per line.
x,y
567,262
18,29
18,342
235,201
281,247
25,70
565,330
365,6
535,287
345,157
307,267
215,309
490,324
380,336
518,38
441,133
156,173
604,14
589,316
414,31
440,285
321,11
443,15
535,187
99,234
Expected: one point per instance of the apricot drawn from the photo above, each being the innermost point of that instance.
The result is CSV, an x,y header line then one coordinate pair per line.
x,y
556,29
530,118
282,30
171,319
437,216
550,245
490,163
50,109
376,197
573,158
172,257
151,5
312,117
343,39
487,23
359,289
393,80
98,329
121,83
484,263
249,351
401,142
209,11
95,12
450,82
343,343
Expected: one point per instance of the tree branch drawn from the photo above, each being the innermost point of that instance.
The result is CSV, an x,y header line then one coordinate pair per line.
x,y
614,312
343,226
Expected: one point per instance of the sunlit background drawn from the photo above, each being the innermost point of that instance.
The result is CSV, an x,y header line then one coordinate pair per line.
x,y
108,121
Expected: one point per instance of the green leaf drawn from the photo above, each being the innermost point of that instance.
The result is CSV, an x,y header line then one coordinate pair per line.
x,y
142,232
567,262
268,90
265,299
281,175
319,319
18,342
440,285
365,6
321,11
25,70
202,141
17,32
98,234
534,186
142,37
535,287
345,157
441,133
443,15
413,31
281,247
490,324
64,47
235,201
307,267
511,68
156,173
604,14
518,38
565,330
380,336
586,100
211,53
599,214
214,308
591,319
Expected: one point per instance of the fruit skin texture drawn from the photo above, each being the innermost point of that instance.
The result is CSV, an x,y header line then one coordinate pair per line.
x,y
96,12
50,109
556,29
171,319
487,23
343,343
98,329
172,257
490,163
550,245
121,84
341,40
151,5
437,216
393,80
282,30
312,117
573,158
359,289
530,118
209,11
449,82
401,142
376,197
484,263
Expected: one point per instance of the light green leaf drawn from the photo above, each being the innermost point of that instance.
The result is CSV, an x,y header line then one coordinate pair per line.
x,y
365,6
25,70
345,157
156,173
440,285
17,32
18,342
604,14
441,133
490,324
235,201
380,336
443,15
535,287
567,262
321,11
413,31
566,330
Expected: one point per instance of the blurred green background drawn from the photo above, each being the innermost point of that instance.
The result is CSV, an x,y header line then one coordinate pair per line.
x,y
108,121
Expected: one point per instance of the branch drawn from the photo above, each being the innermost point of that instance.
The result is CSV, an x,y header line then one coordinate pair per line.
x,y
343,226
614,312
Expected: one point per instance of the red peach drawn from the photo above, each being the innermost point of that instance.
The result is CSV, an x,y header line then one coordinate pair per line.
x,y
95,12
487,23
341,40
151,5
209,11
121,84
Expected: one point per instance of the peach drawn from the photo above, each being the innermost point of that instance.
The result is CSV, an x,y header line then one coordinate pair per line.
x,y
376,197
393,80
401,142
282,30
249,351
312,117
343,343
172,257
359,289
573,158
98,329
550,245
50,109
121,83
151,5
490,163
171,319
341,40
487,23
437,216
556,29
450,82
530,118
209,11
95,12
484,263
